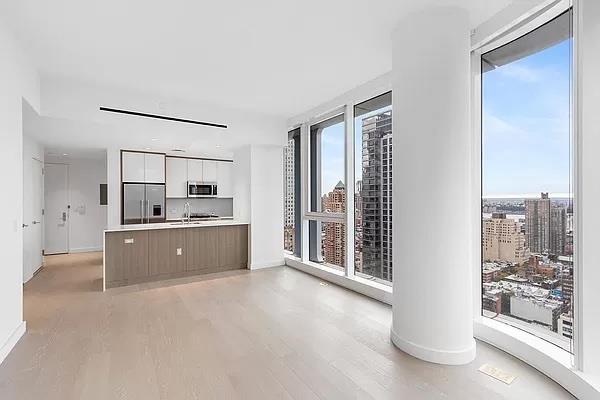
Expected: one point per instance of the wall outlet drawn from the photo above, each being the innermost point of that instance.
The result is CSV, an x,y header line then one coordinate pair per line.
x,y
179,251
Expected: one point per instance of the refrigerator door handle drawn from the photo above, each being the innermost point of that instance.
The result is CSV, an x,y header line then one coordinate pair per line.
x,y
148,211
142,211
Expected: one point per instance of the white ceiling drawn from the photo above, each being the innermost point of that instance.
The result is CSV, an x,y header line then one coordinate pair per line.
x,y
278,57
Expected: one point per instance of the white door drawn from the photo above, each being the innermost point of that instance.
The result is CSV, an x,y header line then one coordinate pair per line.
x,y
56,214
37,231
133,167
33,192
154,167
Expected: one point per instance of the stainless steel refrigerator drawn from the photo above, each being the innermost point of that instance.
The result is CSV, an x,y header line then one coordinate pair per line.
x,y
143,203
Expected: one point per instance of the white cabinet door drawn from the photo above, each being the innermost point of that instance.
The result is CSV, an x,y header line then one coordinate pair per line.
x,y
209,171
225,179
194,170
155,168
177,177
133,167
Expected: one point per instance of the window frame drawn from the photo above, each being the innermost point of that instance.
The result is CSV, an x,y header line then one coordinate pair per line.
x,y
295,133
508,34
322,215
368,92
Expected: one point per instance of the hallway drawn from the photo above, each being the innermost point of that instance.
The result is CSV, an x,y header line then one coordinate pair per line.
x,y
271,334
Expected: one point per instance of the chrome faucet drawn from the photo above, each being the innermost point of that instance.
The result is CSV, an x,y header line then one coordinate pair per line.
x,y
187,211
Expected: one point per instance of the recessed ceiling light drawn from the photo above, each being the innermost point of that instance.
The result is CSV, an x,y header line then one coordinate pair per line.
x,y
218,145
65,154
154,139
147,148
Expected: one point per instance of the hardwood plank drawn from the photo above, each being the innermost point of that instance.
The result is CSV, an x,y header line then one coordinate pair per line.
x,y
267,334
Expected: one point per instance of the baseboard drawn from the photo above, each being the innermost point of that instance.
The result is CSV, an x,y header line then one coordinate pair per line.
x,y
267,264
12,341
85,249
455,357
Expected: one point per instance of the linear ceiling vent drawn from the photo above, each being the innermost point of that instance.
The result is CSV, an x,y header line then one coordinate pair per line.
x,y
166,118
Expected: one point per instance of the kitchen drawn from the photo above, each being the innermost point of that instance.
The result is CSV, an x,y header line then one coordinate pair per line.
x,y
176,220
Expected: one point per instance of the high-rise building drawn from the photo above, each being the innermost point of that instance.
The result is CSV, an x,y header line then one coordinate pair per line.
x,y
386,205
288,197
334,234
502,240
558,229
545,226
376,196
537,224
358,236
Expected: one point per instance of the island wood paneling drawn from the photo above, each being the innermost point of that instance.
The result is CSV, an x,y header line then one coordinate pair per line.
x,y
150,255
202,248
162,250
126,256
233,247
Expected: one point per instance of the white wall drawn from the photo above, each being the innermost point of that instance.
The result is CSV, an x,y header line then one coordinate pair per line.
x,y
87,218
266,206
113,177
18,81
258,194
587,273
241,184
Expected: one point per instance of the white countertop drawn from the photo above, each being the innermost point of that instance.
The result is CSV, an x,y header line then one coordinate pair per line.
x,y
174,225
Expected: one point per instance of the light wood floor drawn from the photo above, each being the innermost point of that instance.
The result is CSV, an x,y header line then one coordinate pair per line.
x,y
270,334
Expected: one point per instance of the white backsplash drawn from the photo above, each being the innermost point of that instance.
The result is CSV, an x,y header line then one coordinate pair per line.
x,y
220,207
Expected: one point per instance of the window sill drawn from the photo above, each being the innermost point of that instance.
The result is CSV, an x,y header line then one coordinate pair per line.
x,y
547,358
375,290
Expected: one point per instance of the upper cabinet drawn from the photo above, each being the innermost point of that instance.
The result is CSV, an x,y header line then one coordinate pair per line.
x,y
225,179
209,171
155,168
182,170
143,167
177,177
194,170
132,166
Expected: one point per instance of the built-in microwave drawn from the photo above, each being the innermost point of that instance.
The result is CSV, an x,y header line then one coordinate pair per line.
x,y
202,189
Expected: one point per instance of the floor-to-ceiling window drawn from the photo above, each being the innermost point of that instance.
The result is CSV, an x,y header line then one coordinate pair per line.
x,y
292,213
527,182
373,188
327,229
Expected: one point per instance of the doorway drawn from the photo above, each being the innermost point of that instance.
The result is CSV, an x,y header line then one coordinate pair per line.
x,y
56,195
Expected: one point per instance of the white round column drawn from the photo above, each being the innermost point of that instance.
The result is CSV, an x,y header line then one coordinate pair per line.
x,y
432,246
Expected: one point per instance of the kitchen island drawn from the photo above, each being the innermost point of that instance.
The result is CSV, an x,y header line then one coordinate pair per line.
x,y
152,252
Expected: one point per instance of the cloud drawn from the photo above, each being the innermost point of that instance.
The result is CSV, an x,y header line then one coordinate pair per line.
x,y
521,72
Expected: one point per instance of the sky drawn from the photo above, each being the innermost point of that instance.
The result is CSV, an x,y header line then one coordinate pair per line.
x,y
526,122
